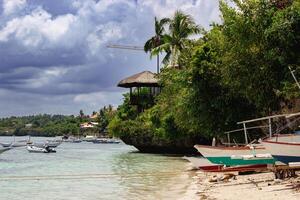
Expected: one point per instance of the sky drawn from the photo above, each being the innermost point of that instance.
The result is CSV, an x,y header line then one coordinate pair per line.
x,y
54,57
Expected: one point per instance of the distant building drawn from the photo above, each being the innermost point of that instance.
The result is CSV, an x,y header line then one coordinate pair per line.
x,y
88,125
28,125
94,116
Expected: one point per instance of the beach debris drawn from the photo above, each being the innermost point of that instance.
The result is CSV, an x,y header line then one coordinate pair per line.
x,y
255,183
222,177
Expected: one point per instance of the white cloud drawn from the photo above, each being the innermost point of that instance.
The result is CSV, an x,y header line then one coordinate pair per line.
x,y
203,11
12,6
37,29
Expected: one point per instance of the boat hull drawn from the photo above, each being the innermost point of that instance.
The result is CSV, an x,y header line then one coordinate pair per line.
x,y
207,166
34,149
210,151
233,156
229,161
284,148
238,168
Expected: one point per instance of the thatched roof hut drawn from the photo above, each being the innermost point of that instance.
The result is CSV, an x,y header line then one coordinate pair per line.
x,y
143,79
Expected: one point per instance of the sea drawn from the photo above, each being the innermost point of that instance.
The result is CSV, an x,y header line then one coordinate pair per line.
x,y
87,171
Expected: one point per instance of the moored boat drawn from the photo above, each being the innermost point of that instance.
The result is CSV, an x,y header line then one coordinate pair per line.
x,y
284,148
106,141
34,149
203,163
49,143
232,156
207,166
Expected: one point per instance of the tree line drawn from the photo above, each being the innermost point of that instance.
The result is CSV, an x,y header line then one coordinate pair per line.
x,y
55,125
236,70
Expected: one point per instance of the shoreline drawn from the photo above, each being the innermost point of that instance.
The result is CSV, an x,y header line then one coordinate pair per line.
x,y
251,186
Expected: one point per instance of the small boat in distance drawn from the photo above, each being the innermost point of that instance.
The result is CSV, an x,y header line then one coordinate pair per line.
x,y
34,149
14,143
106,141
48,143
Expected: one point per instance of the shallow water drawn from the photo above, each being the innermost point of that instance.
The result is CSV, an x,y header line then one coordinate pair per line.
x,y
91,171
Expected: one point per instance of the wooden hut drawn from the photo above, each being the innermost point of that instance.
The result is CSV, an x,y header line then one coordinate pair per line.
x,y
143,87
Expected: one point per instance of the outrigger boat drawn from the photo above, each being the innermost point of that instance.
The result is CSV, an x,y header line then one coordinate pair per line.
x,y
232,156
284,148
48,143
106,141
34,149
247,154
207,166
14,143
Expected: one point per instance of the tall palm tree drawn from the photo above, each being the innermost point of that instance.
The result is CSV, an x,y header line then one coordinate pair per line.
x,y
181,27
156,40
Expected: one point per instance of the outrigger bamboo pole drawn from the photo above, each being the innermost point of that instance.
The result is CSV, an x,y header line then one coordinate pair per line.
x,y
292,72
270,127
245,132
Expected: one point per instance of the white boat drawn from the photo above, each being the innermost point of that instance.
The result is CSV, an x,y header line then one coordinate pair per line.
x,y
13,144
48,143
35,149
106,141
284,148
200,162
232,156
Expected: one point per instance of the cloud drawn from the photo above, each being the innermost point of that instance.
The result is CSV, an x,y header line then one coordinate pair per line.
x,y
37,29
12,6
57,49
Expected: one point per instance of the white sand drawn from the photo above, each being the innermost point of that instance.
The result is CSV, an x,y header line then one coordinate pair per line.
x,y
255,187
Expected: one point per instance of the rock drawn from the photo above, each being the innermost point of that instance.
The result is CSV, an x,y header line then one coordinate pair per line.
x,y
152,144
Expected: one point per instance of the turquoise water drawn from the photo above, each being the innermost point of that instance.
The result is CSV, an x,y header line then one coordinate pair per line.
x,y
91,171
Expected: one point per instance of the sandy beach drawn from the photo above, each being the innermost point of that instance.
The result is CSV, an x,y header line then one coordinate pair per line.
x,y
252,186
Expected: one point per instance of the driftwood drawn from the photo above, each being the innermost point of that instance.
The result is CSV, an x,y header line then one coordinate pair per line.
x,y
226,177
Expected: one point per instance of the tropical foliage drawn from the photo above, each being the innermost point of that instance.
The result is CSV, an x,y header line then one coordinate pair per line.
x,y
237,70
173,41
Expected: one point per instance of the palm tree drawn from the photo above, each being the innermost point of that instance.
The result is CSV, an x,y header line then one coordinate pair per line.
x,y
156,40
181,27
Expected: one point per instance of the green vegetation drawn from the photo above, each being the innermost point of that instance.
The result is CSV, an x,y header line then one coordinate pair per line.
x,y
40,125
55,125
237,70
